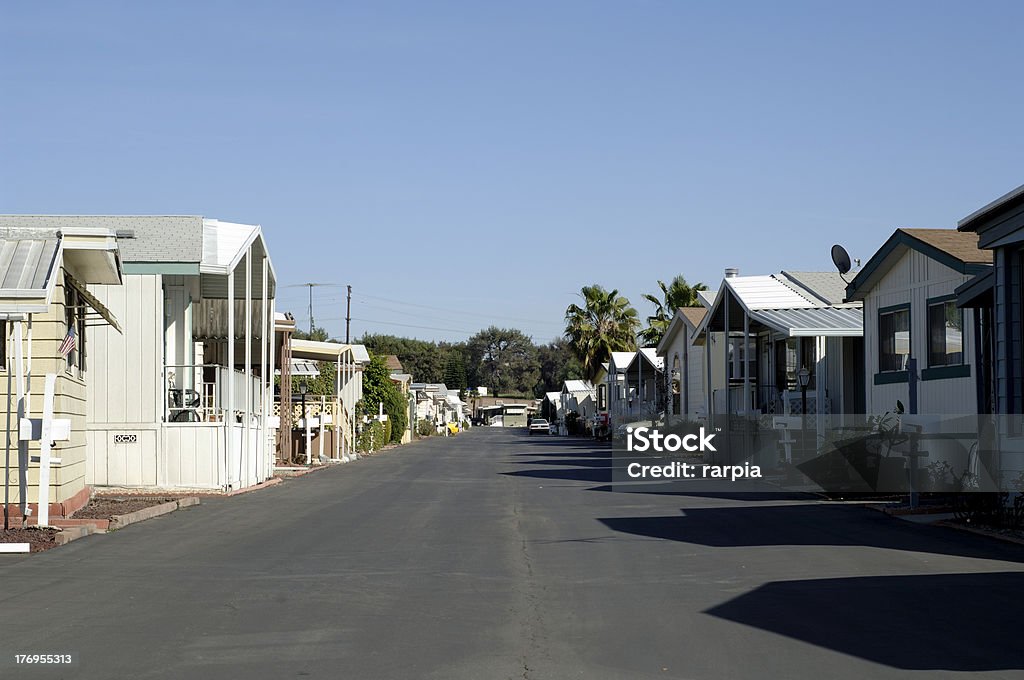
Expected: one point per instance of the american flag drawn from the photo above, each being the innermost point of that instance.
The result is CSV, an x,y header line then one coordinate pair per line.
x,y
69,344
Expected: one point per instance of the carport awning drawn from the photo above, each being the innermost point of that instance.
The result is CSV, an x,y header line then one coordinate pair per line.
x,y
813,321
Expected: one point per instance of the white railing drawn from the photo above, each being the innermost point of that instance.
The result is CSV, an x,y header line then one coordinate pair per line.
x,y
198,393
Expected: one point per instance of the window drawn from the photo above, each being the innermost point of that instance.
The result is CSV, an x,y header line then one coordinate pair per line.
x,y
945,334
893,339
74,318
742,359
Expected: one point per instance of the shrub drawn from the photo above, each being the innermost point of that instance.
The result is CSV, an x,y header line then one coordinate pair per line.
x,y
424,428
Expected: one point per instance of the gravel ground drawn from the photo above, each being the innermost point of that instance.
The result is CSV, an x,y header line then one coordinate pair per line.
x,y
40,539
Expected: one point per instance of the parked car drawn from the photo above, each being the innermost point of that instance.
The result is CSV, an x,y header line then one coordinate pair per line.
x,y
539,425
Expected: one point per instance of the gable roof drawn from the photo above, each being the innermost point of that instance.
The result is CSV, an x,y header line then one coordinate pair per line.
x,y
685,319
957,250
828,287
577,386
651,358
393,364
620,360
777,302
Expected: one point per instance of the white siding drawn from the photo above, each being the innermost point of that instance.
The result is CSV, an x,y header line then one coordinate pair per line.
x,y
915,279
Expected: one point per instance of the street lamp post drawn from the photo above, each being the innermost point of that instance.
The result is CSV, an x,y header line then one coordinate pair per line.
x,y
803,376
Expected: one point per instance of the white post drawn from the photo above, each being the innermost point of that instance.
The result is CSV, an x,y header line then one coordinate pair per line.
x,y
323,411
272,365
820,385
266,379
747,406
23,407
229,418
336,416
309,434
44,450
247,413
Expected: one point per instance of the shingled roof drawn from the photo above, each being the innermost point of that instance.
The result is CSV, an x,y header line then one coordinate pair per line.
x,y
141,238
957,250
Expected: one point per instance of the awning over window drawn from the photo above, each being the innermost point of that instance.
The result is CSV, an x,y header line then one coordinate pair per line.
x,y
96,305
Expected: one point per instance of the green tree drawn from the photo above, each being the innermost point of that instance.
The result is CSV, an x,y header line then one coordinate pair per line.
x,y
378,388
557,364
673,296
505,360
455,372
424,360
319,334
605,323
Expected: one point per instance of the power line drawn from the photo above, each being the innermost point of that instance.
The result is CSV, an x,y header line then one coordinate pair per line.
x,y
451,311
404,325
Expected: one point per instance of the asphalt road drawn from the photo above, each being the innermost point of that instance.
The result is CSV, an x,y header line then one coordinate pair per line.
x,y
497,555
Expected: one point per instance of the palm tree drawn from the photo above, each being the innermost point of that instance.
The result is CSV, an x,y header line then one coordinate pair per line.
x,y
605,323
673,296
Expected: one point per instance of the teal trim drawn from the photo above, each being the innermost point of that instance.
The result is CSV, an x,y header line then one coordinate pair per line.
x,y
943,372
891,377
899,239
893,308
941,298
168,268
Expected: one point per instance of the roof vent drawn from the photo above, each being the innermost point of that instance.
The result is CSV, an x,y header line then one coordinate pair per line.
x,y
732,272
125,233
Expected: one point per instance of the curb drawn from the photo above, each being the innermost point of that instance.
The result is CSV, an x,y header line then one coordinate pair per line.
x,y
66,535
980,532
249,489
121,521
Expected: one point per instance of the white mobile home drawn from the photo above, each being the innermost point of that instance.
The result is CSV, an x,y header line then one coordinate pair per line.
x,y
182,398
48,278
765,329
684,364
910,312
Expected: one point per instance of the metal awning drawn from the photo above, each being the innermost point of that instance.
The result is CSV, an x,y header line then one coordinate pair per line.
x,y
96,305
303,368
813,321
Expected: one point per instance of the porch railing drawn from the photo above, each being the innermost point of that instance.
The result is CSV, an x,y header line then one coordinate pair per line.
x,y
198,393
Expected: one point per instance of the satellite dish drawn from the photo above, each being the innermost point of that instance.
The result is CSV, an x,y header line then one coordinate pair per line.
x,y
841,259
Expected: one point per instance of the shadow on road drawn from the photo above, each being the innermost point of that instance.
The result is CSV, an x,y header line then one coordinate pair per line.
x,y
805,525
952,622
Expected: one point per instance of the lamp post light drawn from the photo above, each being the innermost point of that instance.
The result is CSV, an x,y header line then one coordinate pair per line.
x,y
803,376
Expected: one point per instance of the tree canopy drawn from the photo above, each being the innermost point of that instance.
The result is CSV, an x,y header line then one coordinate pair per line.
x,y
505,360
605,323
676,294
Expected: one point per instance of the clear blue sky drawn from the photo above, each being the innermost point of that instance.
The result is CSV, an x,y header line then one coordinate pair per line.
x,y
489,159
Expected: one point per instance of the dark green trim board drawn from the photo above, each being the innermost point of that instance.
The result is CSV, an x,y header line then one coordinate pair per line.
x,y
893,308
901,239
892,377
944,372
942,298
168,268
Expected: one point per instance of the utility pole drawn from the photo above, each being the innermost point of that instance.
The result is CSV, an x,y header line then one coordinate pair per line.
x,y
310,286
348,315
310,308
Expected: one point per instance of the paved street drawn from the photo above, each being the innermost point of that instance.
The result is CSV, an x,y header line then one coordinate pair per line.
x,y
497,555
